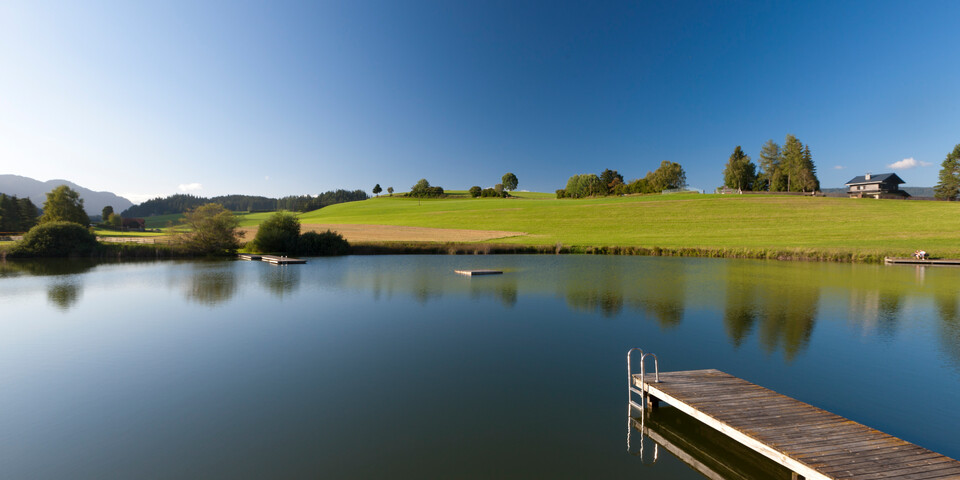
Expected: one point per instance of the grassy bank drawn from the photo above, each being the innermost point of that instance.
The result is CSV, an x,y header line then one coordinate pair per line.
x,y
815,228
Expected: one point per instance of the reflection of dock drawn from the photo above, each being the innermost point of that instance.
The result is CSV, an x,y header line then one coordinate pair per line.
x,y
271,259
812,442
705,450
471,273
917,261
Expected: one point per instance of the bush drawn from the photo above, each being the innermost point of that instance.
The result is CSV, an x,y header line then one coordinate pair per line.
x,y
423,189
475,191
213,231
278,233
55,239
323,244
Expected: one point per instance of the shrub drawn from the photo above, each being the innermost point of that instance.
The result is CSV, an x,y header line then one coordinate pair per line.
x,y
278,233
213,231
55,239
475,191
323,244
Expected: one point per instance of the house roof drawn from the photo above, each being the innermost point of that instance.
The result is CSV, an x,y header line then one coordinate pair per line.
x,y
878,178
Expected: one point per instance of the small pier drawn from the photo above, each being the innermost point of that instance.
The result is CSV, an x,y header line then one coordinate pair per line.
x,y
811,442
271,259
917,261
471,273
275,260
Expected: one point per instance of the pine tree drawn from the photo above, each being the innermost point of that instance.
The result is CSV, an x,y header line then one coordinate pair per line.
x,y
948,188
29,213
792,160
770,176
808,172
10,214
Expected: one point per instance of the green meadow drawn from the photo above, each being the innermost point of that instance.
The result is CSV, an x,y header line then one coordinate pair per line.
x,y
753,222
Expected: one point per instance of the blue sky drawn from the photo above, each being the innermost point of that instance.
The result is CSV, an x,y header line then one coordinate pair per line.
x,y
274,98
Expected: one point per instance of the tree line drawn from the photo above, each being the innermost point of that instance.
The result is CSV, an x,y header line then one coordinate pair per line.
x,y
180,203
17,214
668,176
782,169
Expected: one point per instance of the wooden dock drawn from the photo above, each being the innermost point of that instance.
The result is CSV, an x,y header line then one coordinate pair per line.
x,y
471,273
271,259
917,261
811,442
275,260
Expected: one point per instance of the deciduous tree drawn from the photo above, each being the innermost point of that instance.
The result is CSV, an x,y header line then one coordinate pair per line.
x,y
510,181
212,230
390,191
64,205
105,214
377,189
669,176
948,187
278,233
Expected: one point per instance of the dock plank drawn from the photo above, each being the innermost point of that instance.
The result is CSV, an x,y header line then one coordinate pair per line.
x,y
808,440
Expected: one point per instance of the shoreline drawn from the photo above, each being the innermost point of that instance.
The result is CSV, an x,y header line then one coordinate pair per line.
x,y
160,251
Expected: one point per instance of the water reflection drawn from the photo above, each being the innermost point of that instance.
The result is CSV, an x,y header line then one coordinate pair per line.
x,y
211,283
705,450
949,325
281,280
63,294
47,266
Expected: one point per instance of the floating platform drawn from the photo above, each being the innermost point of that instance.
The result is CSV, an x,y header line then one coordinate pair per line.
x,y
917,261
248,256
811,442
471,273
275,260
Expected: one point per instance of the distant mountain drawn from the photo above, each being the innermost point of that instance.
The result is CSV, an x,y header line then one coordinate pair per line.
x,y
93,202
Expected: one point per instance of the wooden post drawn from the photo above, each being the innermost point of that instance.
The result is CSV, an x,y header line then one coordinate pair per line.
x,y
795,476
653,402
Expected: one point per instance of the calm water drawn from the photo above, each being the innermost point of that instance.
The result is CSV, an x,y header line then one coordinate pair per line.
x,y
394,367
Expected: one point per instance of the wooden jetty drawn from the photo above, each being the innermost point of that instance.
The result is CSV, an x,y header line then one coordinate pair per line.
x,y
917,261
271,259
275,260
471,273
811,442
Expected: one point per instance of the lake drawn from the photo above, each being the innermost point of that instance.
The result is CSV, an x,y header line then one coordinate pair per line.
x,y
395,367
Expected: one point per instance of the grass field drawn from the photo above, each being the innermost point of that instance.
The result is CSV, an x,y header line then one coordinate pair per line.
x,y
752,222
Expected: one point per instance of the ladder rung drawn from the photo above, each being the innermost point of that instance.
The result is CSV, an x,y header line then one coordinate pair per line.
x,y
636,405
636,390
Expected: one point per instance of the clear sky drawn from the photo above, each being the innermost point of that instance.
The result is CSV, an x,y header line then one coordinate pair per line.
x,y
273,98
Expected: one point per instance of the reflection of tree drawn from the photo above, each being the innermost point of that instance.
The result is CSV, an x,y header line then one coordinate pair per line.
x,y
662,296
211,287
608,303
949,325
63,294
596,290
782,305
281,279
508,293
47,266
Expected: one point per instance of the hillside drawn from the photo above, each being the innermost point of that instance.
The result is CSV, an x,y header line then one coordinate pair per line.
x,y
93,202
678,221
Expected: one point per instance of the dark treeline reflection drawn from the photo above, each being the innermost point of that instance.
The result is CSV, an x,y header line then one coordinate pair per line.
x,y
607,291
47,266
63,294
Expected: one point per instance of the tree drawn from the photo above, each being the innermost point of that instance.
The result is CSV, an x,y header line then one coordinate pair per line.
x,y
510,181
213,230
10,214
390,191
278,233
499,189
475,191
55,239
377,189
323,244
607,180
740,172
808,180
28,214
792,162
770,177
669,176
64,205
584,185
115,220
105,214
948,188
424,189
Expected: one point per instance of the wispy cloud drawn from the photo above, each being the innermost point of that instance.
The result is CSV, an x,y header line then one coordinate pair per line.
x,y
190,187
908,163
838,167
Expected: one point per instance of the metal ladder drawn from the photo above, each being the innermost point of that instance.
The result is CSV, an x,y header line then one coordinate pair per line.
x,y
640,391
643,399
